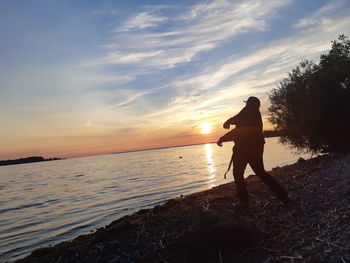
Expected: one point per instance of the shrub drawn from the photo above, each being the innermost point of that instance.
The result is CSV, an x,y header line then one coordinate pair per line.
x,y
313,103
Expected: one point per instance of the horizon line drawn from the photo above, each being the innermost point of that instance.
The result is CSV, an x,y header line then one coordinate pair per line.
x,y
164,147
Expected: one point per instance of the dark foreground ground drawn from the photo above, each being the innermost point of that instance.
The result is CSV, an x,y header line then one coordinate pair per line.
x,y
206,227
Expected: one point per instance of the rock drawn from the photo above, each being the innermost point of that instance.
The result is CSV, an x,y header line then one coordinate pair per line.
x,y
301,160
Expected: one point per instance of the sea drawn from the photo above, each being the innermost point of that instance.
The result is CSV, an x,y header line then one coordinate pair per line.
x,y
42,204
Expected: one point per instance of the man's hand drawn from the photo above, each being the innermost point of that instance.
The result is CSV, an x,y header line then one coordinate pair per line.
x,y
219,142
226,125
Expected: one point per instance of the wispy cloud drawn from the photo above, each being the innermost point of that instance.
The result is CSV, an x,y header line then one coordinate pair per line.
x,y
142,44
126,97
202,28
101,79
141,21
320,16
207,93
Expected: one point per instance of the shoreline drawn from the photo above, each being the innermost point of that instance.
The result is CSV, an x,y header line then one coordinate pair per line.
x,y
204,226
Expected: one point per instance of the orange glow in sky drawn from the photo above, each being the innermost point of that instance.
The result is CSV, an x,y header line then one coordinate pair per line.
x,y
88,78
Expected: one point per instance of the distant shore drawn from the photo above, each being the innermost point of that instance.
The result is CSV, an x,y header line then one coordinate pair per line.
x,y
32,159
206,227
266,134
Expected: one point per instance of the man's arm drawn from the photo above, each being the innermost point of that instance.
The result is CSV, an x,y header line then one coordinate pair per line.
x,y
235,119
230,121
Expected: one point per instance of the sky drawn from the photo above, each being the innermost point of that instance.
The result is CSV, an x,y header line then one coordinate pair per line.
x,y
87,77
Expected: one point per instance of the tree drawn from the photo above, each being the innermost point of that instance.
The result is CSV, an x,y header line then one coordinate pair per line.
x,y
312,105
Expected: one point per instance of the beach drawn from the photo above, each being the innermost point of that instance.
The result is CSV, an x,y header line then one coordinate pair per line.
x,y
208,227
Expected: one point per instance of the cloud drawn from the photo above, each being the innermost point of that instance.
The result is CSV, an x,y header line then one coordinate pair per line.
x,y
125,97
202,28
207,93
105,12
101,79
320,16
141,21
216,89
118,57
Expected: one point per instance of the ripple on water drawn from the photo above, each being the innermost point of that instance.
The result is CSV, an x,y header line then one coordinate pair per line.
x,y
20,207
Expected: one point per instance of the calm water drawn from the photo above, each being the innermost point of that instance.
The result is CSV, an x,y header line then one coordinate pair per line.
x,y
45,203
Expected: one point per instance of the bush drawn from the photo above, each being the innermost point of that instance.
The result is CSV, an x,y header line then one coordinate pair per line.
x,y
313,103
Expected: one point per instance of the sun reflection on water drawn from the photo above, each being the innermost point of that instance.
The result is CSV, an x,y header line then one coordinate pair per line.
x,y
210,165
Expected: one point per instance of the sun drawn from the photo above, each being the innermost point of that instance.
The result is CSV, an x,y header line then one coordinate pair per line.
x,y
205,128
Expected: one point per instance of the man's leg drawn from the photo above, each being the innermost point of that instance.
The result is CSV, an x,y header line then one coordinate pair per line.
x,y
256,163
239,164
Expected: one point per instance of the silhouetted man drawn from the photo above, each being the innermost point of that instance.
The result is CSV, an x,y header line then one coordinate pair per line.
x,y
249,148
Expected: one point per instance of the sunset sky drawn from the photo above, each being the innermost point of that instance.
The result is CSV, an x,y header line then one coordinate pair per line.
x,y
88,77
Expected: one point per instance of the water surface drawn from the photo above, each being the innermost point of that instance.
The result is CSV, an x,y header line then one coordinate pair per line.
x,y
45,203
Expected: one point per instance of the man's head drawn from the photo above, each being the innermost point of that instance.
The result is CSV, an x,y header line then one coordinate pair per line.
x,y
253,102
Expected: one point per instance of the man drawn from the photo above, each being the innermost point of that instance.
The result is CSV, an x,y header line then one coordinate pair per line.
x,y
248,149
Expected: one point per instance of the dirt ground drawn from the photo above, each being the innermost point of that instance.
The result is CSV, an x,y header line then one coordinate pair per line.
x,y
208,227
